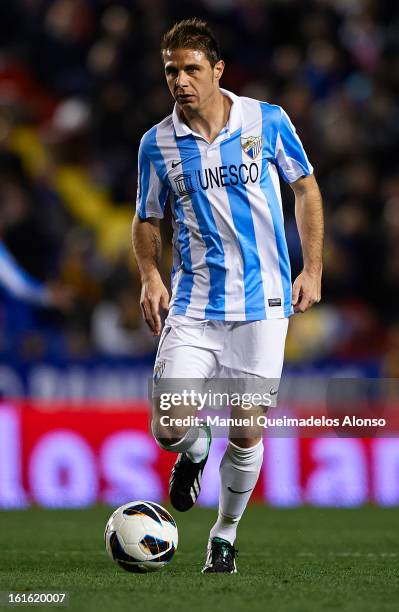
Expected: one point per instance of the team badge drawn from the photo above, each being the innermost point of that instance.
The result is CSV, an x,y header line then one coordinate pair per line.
x,y
158,370
251,145
184,184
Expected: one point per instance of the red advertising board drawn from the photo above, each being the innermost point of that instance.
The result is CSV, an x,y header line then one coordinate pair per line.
x,y
53,456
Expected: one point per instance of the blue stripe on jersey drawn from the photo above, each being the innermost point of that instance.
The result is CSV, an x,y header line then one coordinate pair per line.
x,y
292,145
269,116
144,186
149,150
163,195
278,225
176,257
242,217
214,256
185,286
267,187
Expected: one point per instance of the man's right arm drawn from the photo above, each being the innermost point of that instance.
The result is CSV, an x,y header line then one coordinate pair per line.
x,y
147,247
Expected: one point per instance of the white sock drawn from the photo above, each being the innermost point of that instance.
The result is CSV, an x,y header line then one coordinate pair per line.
x,y
194,443
239,471
199,448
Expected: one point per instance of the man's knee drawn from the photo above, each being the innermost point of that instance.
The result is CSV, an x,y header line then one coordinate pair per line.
x,y
167,426
245,442
167,435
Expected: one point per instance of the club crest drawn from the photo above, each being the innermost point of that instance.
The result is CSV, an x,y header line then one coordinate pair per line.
x,y
251,145
158,370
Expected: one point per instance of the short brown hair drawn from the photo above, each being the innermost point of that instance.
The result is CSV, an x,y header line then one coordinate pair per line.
x,y
192,34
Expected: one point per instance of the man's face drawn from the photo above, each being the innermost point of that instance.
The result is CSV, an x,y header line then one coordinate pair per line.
x,y
190,77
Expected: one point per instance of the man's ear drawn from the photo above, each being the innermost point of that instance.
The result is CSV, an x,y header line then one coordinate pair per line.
x,y
218,70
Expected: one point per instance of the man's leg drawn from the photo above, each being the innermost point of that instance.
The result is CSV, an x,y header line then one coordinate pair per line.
x,y
189,439
261,342
182,363
193,444
239,472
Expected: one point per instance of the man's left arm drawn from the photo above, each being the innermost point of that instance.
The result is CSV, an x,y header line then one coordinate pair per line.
x,y
306,289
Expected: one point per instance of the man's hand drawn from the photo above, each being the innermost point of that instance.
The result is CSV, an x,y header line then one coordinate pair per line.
x,y
146,237
306,291
153,296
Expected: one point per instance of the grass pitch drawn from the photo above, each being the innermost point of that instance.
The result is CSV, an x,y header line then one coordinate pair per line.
x,y
297,560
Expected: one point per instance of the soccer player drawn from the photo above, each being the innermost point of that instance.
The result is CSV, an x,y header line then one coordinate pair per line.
x,y
216,160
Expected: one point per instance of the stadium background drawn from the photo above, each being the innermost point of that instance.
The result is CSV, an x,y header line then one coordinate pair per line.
x,y
80,81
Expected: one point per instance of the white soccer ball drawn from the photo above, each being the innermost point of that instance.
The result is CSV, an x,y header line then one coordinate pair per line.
x,y
141,536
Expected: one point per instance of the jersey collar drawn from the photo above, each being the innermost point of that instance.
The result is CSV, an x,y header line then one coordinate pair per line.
x,y
234,121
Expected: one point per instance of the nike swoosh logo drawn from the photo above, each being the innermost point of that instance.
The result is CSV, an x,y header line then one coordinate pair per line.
x,y
232,490
176,163
273,391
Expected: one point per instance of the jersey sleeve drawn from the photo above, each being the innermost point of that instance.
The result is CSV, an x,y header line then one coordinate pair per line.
x,y
152,192
290,156
20,284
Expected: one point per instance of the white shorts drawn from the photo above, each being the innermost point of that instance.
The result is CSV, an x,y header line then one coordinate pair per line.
x,y
203,349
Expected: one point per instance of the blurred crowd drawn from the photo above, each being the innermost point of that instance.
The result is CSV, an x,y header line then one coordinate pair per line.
x,y
81,80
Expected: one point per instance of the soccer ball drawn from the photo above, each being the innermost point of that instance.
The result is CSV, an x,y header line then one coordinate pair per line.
x,y
141,537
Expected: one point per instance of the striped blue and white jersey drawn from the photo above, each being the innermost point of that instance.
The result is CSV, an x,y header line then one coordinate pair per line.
x,y
230,253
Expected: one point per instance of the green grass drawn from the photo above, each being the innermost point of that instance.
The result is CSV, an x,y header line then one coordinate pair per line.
x,y
299,560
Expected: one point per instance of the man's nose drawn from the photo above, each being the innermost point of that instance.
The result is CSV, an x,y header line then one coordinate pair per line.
x,y
181,80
